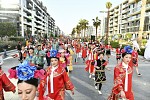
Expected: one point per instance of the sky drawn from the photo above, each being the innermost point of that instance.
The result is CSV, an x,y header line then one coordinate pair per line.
x,y
67,13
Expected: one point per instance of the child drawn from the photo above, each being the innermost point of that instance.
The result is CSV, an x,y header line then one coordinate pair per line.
x,y
100,76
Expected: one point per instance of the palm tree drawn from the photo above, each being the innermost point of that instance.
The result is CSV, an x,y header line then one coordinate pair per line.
x,y
96,23
142,18
73,32
108,6
84,25
78,30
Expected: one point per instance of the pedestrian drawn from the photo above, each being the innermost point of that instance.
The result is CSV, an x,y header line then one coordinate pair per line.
x,y
122,88
56,80
19,47
48,56
27,80
135,60
5,84
100,66
5,50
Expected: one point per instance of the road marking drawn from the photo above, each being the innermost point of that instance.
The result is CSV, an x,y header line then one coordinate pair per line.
x,y
7,58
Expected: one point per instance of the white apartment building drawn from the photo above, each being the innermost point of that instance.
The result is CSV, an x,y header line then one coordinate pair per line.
x,y
31,16
125,18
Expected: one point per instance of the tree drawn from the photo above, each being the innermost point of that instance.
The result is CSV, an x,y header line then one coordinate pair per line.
x,y
78,30
108,6
8,29
142,19
84,25
96,23
73,32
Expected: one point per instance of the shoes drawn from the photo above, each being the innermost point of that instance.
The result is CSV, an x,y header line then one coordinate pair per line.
x,y
99,92
139,74
90,76
93,78
96,87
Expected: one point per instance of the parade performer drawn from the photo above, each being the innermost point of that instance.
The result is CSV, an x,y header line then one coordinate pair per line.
x,y
123,77
135,60
90,62
27,80
63,58
70,57
56,80
108,49
84,52
147,50
5,84
118,53
100,66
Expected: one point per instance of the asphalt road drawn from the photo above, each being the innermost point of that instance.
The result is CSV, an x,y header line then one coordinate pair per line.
x,y
84,87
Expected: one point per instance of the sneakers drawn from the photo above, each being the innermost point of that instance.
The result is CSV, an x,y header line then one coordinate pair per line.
x,y
99,92
96,87
139,74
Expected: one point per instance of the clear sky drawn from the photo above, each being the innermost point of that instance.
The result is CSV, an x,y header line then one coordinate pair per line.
x,y
67,13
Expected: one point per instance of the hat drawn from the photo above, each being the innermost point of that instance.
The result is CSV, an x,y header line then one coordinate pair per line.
x,y
53,53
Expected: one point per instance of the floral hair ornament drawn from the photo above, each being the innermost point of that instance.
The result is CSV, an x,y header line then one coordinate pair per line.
x,y
127,49
25,72
53,53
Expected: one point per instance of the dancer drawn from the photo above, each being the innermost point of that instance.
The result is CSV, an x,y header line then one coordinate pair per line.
x,y
123,77
100,76
135,60
5,84
118,53
108,51
55,81
27,80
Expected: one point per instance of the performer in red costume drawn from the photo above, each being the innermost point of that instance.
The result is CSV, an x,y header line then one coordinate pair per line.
x,y
90,62
5,84
118,53
84,52
123,77
108,51
135,60
56,81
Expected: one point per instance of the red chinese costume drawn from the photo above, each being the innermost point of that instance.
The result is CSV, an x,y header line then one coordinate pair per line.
x,y
135,58
108,49
118,53
5,84
56,81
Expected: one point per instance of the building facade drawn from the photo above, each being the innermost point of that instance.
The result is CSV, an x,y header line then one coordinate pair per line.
x,y
31,16
125,18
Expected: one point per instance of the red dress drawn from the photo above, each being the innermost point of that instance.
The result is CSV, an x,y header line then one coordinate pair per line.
x,y
61,82
119,82
90,62
135,58
118,53
84,52
5,84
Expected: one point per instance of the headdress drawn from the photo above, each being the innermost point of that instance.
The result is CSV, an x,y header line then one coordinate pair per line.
x,y
53,53
127,49
25,72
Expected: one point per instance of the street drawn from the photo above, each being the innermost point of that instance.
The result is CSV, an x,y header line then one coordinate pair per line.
x,y
84,87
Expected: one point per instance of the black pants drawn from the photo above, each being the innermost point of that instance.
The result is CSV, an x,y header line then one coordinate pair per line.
x,y
100,85
48,61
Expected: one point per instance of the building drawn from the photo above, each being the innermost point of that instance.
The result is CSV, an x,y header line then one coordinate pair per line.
x,y
125,18
31,16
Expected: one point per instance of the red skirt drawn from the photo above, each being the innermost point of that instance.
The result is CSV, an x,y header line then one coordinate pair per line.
x,y
89,66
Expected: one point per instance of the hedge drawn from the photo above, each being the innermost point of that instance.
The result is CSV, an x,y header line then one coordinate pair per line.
x,y
16,39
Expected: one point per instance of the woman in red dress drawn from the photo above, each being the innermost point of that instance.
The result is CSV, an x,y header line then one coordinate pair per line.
x,y
135,60
56,81
123,77
84,52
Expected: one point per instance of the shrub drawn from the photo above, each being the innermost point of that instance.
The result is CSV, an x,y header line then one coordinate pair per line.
x,y
141,52
16,39
114,44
